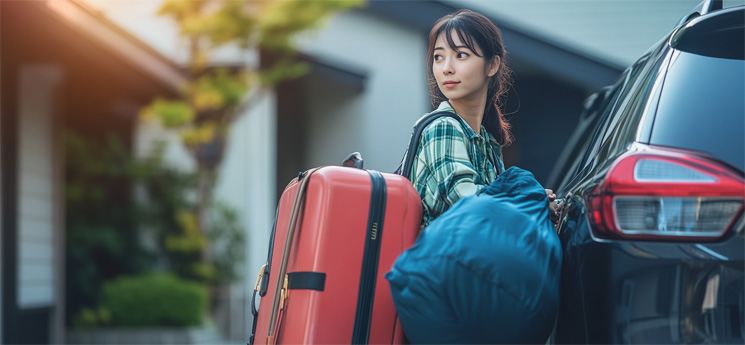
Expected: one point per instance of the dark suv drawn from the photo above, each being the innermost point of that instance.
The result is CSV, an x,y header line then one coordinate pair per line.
x,y
652,230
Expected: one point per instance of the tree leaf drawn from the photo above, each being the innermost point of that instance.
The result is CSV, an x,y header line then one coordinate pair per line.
x,y
169,113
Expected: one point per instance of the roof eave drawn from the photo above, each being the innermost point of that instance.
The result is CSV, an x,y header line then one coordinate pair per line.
x,y
91,24
571,65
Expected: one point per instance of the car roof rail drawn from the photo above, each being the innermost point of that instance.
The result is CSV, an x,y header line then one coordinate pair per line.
x,y
706,6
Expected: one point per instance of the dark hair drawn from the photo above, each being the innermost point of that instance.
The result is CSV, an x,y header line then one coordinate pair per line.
x,y
474,29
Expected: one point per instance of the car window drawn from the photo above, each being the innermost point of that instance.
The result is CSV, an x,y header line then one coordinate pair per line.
x,y
610,115
575,165
594,140
623,131
701,107
587,129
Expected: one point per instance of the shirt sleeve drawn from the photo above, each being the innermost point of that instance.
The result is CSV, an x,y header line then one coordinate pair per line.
x,y
445,154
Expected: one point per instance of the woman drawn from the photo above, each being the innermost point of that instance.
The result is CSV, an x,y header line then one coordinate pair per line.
x,y
467,75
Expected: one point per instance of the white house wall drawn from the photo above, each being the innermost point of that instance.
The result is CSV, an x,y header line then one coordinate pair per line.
x,y
247,183
37,216
335,123
378,121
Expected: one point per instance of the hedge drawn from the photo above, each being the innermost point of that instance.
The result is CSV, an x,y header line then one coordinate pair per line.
x,y
154,300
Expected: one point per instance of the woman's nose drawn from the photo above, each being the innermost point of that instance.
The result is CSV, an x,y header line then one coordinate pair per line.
x,y
447,67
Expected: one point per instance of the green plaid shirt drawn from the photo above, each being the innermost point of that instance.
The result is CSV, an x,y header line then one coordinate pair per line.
x,y
452,162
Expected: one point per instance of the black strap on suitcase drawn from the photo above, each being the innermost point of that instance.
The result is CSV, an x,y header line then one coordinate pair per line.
x,y
371,256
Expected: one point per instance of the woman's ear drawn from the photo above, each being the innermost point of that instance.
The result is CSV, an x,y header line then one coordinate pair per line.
x,y
494,66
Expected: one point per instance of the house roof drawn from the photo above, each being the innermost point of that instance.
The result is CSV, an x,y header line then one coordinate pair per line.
x,y
528,52
91,24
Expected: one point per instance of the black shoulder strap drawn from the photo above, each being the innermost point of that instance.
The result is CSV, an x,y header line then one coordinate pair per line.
x,y
404,169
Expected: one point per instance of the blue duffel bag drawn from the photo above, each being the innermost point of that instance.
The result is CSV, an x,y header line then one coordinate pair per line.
x,y
486,271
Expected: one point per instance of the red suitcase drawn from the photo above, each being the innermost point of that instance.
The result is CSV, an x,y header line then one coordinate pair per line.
x,y
352,225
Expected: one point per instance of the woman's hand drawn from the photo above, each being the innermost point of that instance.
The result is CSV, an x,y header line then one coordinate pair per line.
x,y
553,207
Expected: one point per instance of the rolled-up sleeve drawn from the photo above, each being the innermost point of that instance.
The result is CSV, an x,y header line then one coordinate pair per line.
x,y
445,155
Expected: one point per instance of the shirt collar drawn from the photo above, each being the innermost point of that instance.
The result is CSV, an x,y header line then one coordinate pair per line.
x,y
445,105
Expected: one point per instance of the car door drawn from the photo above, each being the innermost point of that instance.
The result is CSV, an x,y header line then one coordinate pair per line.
x,y
571,325
617,123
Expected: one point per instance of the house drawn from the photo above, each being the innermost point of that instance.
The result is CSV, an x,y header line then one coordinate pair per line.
x,y
63,64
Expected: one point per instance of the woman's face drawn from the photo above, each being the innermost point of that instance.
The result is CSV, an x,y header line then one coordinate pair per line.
x,y
461,74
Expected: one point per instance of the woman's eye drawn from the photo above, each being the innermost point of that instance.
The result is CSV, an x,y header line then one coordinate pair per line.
x,y
462,55
438,57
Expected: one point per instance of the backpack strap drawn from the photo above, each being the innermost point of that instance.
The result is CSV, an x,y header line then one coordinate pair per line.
x,y
407,163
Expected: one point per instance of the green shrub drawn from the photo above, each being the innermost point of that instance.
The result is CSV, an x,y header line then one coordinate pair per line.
x,y
154,300
88,318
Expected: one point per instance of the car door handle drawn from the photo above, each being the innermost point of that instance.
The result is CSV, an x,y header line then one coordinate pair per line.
x,y
566,205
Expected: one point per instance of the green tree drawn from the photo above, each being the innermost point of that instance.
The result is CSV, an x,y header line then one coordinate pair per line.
x,y
213,97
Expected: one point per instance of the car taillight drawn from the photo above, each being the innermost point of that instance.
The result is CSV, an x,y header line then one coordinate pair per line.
x,y
657,194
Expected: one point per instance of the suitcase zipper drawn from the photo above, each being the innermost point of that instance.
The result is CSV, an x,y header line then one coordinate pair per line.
x,y
361,333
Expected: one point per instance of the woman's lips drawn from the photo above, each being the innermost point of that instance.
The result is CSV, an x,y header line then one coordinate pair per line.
x,y
450,84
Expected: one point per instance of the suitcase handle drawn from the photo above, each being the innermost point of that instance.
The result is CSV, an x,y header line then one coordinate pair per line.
x,y
258,279
279,293
262,279
353,160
